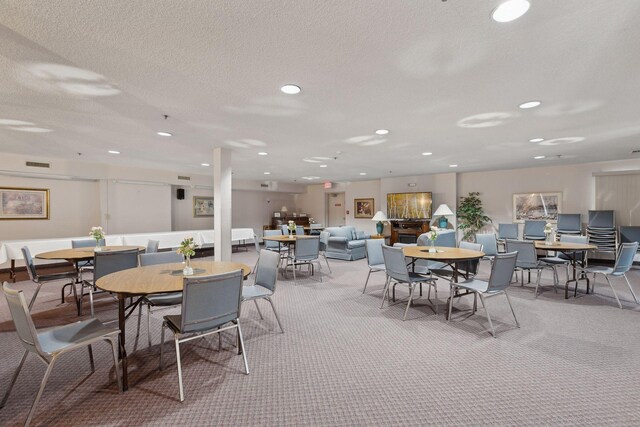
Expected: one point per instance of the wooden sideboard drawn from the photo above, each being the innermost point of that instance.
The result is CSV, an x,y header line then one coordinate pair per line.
x,y
276,222
407,231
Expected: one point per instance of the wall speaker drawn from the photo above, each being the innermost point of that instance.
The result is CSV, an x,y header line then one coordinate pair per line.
x,y
180,193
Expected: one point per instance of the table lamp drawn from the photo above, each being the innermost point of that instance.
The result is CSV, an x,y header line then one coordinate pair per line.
x,y
380,217
284,209
443,210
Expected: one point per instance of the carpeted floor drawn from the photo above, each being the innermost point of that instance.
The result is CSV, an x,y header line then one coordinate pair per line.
x,y
344,361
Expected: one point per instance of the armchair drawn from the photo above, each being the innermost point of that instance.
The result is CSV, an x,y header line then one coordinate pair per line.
x,y
346,243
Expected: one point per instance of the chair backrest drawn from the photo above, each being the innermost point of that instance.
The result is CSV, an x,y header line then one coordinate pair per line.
x,y
299,230
110,262
85,243
324,240
527,257
569,222
210,301
471,246
373,250
489,243
160,258
267,270
256,243
507,231
284,228
502,271
268,243
624,260
307,249
445,239
534,228
152,246
22,320
28,260
568,238
394,263
470,266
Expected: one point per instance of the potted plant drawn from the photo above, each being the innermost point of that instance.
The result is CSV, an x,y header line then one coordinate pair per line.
x,y
98,234
471,215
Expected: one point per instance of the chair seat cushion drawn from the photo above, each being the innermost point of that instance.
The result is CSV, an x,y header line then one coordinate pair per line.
x,y
57,276
415,277
60,337
255,291
554,260
164,299
377,267
598,269
474,285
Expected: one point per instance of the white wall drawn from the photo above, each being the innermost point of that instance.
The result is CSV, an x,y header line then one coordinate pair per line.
x,y
136,208
182,210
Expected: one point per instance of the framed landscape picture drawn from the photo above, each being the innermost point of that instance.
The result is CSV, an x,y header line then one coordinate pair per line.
x,y
24,203
537,206
363,208
202,206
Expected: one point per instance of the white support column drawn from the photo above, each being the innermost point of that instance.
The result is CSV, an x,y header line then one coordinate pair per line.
x,y
222,204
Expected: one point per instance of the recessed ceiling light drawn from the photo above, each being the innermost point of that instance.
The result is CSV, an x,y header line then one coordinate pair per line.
x,y
262,153
510,10
453,166
539,157
114,152
309,178
165,134
382,131
290,89
323,166
529,104
267,173
427,153
536,140
363,173
205,164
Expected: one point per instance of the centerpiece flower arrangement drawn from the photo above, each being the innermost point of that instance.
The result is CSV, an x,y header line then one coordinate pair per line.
x,y
98,234
187,249
548,232
292,227
432,235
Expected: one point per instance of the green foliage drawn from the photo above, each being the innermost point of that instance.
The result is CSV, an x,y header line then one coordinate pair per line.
x,y
471,217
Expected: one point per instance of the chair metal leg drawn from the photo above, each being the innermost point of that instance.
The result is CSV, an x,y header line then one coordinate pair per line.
x,y
241,342
91,300
435,287
630,288
327,261
613,290
114,350
33,298
148,324
14,378
319,270
275,313
295,282
452,292
162,344
75,296
406,310
511,307
255,301
385,291
179,368
39,395
535,294
93,366
493,331
367,281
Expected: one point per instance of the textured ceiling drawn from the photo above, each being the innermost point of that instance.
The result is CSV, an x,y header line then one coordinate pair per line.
x,y
90,76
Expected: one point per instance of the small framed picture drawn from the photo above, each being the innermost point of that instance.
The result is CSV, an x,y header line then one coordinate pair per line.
x,y
24,203
202,206
363,208
537,206
276,214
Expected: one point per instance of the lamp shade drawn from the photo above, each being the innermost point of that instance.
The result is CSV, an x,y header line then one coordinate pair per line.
x,y
379,216
284,209
443,210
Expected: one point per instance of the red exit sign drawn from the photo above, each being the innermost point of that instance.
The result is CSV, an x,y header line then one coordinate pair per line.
x,y
328,185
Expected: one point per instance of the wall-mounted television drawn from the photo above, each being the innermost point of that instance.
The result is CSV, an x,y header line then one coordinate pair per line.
x,y
409,205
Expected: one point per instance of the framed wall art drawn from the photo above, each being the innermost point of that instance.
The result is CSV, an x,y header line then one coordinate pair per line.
x,y
24,203
537,206
202,206
363,208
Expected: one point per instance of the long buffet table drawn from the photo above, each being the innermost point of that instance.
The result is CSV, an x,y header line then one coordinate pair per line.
x,y
11,253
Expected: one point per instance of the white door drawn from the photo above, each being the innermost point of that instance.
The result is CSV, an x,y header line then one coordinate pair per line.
x,y
335,209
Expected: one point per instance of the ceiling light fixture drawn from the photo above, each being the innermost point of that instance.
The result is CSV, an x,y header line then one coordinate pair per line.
x,y
165,134
290,89
205,164
536,140
114,152
363,173
529,104
539,157
382,131
323,166
510,10
453,166
267,173
262,153
427,153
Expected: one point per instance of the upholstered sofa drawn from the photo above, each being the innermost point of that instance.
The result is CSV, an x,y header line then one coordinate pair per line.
x,y
346,243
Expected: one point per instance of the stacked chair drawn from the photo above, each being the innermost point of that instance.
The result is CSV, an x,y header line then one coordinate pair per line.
x,y
601,230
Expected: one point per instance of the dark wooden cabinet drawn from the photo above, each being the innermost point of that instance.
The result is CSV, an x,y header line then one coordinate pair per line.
x,y
407,231
276,222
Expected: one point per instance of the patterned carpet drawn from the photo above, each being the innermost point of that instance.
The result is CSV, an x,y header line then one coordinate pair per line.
x,y
344,361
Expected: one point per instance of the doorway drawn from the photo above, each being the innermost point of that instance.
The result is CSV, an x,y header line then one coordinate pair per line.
x,y
335,209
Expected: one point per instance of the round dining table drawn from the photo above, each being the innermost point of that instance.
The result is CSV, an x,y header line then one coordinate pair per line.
x,y
74,255
570,250
153,279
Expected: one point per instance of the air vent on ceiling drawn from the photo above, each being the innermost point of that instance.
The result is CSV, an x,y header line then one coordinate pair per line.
x,y
184,178
635,152
38,165
264,185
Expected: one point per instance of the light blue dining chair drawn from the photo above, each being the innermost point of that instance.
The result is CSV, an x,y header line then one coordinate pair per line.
x,y
152,246
264,285
52,343
41,279
306,252
324,243
527,260
489,245
375,259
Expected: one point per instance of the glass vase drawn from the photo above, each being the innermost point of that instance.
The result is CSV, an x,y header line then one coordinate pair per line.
x,y
98,247
548,239
290,234
187,270
432,248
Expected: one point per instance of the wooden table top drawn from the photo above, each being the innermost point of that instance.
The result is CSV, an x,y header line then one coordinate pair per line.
x,y
444,253
159,278
79,254
285,239
563,246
